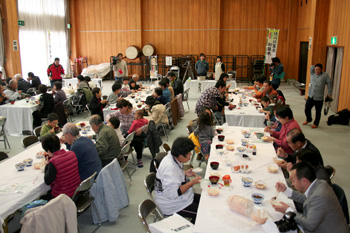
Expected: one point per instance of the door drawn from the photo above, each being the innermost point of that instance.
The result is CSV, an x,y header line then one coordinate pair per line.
x,y
303,61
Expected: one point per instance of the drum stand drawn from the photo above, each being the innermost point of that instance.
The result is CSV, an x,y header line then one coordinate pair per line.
x,y
188,71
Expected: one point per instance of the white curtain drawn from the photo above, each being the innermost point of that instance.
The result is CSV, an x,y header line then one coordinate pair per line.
x,y
336,79
2,51
43,37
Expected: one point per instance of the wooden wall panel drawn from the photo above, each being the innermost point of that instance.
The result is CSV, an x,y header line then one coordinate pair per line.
x,y
104,28
338,25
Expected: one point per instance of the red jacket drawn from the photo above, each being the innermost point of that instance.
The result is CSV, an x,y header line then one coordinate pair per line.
x,y
67,176
281,136
55,71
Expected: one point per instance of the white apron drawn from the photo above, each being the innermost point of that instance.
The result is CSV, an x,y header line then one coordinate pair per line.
x,y
218,70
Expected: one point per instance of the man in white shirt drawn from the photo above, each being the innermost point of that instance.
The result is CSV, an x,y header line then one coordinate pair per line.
x,y
321,209
173,189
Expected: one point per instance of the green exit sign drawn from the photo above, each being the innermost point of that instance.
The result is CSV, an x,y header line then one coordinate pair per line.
x,y
334,40
20,23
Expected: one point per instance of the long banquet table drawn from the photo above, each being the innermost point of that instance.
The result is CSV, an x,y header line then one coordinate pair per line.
x,y
66,82
198,86
18,188
246,116
19,116
214,214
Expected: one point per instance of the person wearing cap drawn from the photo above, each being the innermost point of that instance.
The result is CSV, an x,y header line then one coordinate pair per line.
x,y
35,80
120,68
202,66
156,111
54,71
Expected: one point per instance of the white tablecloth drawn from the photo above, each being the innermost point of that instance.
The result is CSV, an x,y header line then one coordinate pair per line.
x,y
19,116
74,81
197,86
244,116
19,188
214,214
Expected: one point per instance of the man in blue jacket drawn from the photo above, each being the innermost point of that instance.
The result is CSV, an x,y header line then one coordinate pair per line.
x,y
202,66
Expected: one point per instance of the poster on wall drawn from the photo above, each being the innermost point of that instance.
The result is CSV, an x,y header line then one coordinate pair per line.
x,y
271,45
168,61
154,67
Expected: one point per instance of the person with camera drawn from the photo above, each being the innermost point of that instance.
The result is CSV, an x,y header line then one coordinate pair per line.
x,y
318,82
322,212
276,69
120,68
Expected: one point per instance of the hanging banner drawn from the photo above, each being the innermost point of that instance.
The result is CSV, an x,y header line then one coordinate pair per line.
x,y
154,67
271,45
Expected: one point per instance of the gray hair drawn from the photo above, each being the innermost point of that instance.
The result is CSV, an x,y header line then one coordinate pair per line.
x,y
17,76
11,82
95,120
70,128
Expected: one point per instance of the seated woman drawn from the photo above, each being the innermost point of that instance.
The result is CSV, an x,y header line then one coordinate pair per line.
x,y
81,82
125,114
132,85
156,111
58,94
173,189
96,104
62,171
285,116
46,106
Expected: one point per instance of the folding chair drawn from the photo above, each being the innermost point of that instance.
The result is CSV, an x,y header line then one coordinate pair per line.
x,y
29,140
149,183
3,133
129,139
122,161
84,199
185,98
37,131
146,208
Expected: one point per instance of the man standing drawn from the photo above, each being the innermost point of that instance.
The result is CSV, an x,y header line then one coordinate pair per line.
x,y
54,71
35,80
107,143
84,149
276,72
120,68
321,209
176,84
318,81
202,67
23,85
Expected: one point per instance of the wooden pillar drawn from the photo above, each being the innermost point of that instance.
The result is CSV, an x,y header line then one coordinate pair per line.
x,y
318,31
10,32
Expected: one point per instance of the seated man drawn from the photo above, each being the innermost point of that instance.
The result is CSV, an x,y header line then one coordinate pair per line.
x,y
58,94
321,209
166,92
23,85
258,85
107,143
81,82
268,90
115,96
49,127
297,141
158,95
62,171
173,189
84,149
11,92
306,155
35,80
176,84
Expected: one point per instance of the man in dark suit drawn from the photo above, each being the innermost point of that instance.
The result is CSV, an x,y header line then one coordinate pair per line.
x,y
321,209
176,84
297,141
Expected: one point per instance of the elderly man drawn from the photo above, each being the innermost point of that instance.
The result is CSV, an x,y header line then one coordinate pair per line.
x,y
11,92
268,90
136,77
107,143
297,141
176,84
322,212
35,80
84,149
23,85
